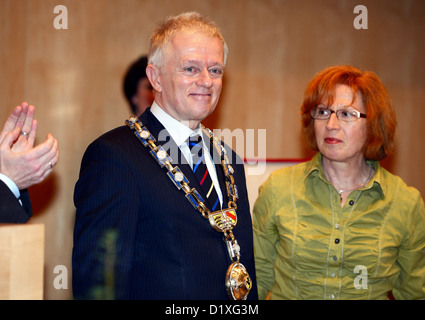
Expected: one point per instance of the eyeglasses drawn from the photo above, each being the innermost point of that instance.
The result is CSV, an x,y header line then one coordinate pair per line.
x,y
347,115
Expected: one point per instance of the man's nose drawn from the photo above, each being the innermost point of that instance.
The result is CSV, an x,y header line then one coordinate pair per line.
x,y
204,79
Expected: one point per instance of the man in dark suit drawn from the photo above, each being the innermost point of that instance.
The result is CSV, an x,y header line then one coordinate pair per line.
x,y
21,164
141,231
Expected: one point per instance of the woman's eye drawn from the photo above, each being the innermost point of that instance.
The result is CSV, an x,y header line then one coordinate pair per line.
x,y
346,114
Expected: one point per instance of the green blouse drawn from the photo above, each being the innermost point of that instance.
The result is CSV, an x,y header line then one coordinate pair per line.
x,y
308,247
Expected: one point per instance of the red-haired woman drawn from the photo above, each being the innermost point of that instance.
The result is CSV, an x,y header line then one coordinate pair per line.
x,y
340,226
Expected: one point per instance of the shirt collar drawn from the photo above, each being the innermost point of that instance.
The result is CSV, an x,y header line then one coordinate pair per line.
x,y
378,177
315,166
178,131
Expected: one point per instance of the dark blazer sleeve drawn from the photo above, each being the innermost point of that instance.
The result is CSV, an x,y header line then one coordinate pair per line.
x,y
11,211
104,200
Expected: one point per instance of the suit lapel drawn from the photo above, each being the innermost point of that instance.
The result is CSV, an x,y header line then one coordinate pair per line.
x,y
156,129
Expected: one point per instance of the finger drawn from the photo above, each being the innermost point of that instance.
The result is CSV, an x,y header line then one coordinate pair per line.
x,y
11,121
46,173
11,137
43,149
21,119
46,162
54,152
32,132
28,121
53,155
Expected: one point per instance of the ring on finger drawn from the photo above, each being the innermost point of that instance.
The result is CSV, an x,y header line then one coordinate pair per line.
x,y
50,165
25,134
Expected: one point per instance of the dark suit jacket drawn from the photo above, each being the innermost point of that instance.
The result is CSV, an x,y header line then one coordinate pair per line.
x,y
11,211
134,223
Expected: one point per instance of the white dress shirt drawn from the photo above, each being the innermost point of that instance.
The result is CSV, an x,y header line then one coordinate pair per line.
x,y
180,134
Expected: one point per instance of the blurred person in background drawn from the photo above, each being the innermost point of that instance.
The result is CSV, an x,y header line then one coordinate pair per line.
x,y
136,86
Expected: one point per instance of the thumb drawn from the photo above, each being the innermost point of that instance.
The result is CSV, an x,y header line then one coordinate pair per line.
x,y
11,137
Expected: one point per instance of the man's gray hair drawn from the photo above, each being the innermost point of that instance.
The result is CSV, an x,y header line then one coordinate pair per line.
x,y
188,21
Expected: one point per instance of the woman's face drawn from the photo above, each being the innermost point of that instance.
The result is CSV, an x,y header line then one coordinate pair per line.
x,y
338,140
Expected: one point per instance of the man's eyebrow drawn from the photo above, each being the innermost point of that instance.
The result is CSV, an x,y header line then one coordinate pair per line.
x,y
193,61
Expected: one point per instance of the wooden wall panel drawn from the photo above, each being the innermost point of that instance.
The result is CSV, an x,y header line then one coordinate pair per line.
x,y
74,78
12,54
21,261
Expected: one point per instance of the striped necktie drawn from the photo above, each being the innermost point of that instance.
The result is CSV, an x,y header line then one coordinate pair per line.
x,y
201,171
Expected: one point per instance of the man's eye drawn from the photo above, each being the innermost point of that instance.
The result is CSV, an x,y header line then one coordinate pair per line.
x,y
190,69
216,72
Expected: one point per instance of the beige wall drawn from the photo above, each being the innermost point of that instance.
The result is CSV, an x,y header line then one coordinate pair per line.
x,y
74,77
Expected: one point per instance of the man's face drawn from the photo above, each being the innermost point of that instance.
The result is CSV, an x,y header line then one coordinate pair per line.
x,y
190,81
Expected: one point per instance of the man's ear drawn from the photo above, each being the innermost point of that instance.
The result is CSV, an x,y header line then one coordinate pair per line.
x,y
153,74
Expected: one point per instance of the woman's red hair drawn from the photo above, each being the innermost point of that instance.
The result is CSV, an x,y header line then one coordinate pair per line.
x,y
381,119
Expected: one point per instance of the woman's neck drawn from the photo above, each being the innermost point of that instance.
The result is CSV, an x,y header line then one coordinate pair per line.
x,y
347,176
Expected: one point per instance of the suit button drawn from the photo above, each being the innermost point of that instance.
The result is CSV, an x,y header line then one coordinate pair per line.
x,y
336,240
351,202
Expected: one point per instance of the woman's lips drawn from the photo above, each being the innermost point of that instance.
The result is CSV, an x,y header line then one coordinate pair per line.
x,y
332,140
